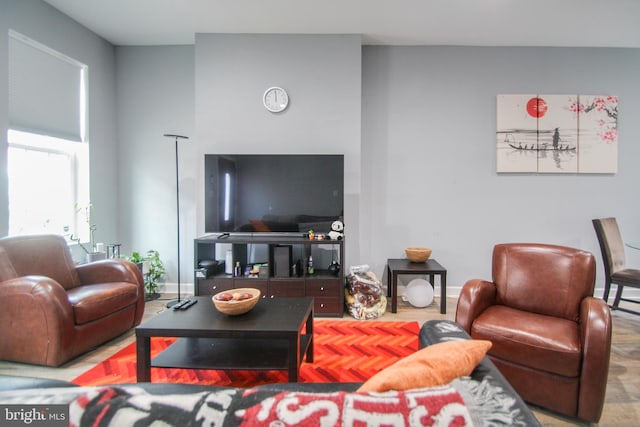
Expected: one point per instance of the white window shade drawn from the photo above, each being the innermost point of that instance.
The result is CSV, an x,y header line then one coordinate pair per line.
x,y
45,91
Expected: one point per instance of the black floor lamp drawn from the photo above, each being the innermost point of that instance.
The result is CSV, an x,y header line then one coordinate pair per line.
x,y
177,137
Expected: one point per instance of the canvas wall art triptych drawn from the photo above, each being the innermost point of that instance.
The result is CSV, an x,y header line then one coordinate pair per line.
x,y
557,134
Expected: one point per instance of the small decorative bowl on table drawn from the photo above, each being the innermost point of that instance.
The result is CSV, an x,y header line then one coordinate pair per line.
x,y
236,301
418,254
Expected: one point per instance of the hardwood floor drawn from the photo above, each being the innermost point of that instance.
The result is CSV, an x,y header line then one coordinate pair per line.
x,y
622,402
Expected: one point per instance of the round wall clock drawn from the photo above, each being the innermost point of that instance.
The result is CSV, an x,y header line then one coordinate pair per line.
x,y
275,99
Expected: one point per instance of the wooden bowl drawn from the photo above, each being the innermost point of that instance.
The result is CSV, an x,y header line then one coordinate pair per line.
x,y
235,307
418,254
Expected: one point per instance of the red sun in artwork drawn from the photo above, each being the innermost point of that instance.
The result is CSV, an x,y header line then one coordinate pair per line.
x,y
537,107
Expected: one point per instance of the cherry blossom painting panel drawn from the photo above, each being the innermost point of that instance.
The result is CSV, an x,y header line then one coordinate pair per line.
x,y
597,133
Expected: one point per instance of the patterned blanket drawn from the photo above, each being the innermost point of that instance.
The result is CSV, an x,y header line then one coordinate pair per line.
x,y
464,402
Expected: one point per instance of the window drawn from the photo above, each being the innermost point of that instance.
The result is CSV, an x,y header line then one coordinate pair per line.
x,y
47,181
48,155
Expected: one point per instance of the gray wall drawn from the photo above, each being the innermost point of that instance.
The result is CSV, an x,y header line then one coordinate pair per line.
x,y
39,21
4,117
322,75
213,93
429,159
416,125
155,96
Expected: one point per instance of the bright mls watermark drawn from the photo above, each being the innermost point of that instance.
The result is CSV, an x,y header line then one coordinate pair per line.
x,y
34,415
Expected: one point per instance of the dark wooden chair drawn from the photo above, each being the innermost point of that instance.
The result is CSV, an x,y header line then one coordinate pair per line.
x,y
615,268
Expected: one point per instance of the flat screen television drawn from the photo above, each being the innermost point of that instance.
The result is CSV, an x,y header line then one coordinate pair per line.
x,y
273,193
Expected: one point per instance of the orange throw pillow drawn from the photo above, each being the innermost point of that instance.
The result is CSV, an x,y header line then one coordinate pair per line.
x,y
437,364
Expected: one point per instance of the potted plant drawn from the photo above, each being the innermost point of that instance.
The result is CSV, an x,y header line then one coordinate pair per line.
x,y
152,269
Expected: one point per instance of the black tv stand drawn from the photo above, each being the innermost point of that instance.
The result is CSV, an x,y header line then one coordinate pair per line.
x,y
324,285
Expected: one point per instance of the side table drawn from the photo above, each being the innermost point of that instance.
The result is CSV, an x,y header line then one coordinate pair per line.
x,y
431,268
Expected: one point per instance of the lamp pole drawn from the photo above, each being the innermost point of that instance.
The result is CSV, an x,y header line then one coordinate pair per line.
x,y
177,137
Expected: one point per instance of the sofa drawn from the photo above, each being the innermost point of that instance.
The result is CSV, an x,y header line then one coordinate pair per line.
x,y
52,310
483,398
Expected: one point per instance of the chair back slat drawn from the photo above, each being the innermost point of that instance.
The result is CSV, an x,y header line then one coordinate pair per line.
x,y
611,245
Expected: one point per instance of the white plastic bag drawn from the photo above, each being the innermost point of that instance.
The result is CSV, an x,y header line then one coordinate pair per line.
x,y
364,296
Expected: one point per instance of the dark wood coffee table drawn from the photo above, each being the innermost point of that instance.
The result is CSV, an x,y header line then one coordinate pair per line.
x,y
270,336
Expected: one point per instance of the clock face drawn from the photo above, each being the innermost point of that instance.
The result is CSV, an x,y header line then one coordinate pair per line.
x,y
275,99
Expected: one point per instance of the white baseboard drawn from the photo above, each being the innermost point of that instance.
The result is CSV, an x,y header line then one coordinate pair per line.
x,y
172,288
452,291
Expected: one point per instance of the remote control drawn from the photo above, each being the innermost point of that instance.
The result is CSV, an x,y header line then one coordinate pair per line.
x,y
189,304
181,304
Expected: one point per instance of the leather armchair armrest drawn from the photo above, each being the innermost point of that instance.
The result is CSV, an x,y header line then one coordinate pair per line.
x,y
595,334
110,270
46,293
475,297
37,320
115,270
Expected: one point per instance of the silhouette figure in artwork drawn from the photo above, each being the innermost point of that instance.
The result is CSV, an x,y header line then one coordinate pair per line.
x,y
556,138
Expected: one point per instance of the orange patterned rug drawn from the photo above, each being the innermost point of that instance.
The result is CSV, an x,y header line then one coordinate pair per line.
x,y
345,351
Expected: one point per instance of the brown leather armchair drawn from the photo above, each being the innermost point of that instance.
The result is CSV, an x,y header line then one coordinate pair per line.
x,y
551,338
52,310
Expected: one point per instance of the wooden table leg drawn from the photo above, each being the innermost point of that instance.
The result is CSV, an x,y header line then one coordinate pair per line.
x,y
309,355
443,293
143,357
394,292
392,288
388,281
294,358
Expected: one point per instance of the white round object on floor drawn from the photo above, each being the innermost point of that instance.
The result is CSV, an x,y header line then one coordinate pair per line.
x,y
419,293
